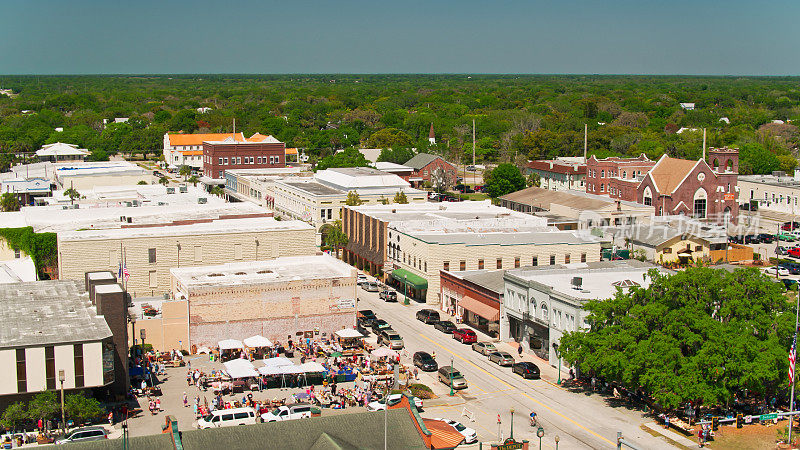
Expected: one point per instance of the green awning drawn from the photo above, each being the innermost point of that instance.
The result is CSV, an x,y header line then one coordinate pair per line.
x,y
410,279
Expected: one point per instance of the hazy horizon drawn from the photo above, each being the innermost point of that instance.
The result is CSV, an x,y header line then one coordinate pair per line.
x,y
504,37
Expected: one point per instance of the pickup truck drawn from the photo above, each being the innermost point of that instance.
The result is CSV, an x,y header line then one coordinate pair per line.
x,y
288,412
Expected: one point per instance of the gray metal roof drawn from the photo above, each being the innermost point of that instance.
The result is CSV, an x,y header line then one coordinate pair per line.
x,y
48,312
421,160
314,188
489,279
515,238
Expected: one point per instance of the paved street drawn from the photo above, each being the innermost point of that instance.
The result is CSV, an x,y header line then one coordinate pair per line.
x,y
580,420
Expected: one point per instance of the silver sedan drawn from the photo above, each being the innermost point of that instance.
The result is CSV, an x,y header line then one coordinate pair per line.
x,y
501,358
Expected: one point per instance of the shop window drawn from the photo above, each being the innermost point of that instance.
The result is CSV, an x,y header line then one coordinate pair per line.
x,y
480,264
151,255
552,260
499,263
535,261
583,257
446,265
566,259
462,265
516,262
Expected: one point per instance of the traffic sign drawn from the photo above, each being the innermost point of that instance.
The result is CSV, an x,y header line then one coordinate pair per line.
x,y
767,416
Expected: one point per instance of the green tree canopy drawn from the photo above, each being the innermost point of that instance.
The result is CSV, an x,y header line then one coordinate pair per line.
x,y
353,199
699,335
81,408
389,138
14,417
347,158
397,155
45,406
335,237
504,179
9,202
401,198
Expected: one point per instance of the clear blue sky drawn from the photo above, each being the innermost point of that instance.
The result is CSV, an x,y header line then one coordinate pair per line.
x,y
409,36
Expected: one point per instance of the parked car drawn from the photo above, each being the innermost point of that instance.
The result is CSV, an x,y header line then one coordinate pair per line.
x,y
780,251
227,418
501,358
370,286
391,338
773,270
736,239
470,435
288,412
451,377
365,317
786,236
445,326
361,278
388,295
378,325
526,369
85,434
392,399
794,252
484,348
751,239
425,361
793,268
465,335
428,316
766,238
789,226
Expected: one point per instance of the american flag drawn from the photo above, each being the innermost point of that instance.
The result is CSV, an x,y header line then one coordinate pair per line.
x,y
792,357
128,274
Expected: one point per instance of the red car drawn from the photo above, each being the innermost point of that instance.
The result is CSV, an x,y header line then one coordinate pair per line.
x,y
465,335
794,252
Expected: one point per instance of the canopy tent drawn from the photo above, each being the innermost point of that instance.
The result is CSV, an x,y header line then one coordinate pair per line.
x,y
281,370
410,279
240,368
203,350
312,367
278,361
230,344
382,352
257,341
348,333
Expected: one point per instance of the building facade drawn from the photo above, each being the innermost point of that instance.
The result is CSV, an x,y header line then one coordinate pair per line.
x,y
61,152
540,304
600,172
474,297
426,166
150,252
219,156
558,175
275,299
776,192
181,149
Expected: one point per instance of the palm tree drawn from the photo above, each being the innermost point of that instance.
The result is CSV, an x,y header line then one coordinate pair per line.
x,y
194,180
216,190
72,193
335,238
164,180
185,171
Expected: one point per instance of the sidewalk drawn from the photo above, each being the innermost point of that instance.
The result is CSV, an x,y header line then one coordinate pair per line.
x,y
548,372
671,435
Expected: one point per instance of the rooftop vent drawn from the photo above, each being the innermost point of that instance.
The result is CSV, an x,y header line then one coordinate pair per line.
x,y
577,282
215,275
170,190
183,189
202,200
264,271
240,273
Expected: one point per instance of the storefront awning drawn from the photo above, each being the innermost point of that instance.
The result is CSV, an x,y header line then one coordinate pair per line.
x,y
410,279
488,312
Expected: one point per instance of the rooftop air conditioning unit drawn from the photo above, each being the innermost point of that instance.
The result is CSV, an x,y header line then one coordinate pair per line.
x,y
122,218
76,206
183,189
577,282
136,203
202,200
162,203
170,190
130,219
128,204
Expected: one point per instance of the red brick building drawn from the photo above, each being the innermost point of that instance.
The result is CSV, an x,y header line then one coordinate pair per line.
x,y
603,174
219,156
474,297
425,165
694,188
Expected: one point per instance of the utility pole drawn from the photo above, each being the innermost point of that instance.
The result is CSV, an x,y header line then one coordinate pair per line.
x,y
473,152
704,144
585,140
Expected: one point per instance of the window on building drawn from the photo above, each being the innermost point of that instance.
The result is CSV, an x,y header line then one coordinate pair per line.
x,y
426,266
220,161
535,261
499,263
624,174
516,262
151,255
566,259
50,366
602,173
446,265
700,203
583,257
77,350
552,260
17,253
226,162
480,264
22,378
698,248
602,187
667,250
462,265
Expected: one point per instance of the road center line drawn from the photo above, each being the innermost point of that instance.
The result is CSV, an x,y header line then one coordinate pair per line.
x,y
511,386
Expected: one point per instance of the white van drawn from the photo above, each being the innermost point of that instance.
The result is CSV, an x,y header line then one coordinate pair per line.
x,y
227,418
289,412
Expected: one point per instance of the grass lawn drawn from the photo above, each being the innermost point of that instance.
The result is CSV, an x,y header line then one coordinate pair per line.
x,y
475,196
747,437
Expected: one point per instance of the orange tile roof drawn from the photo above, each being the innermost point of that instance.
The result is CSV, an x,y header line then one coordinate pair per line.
x,y
198,139
190,152
668,173
291,151
442,434
258,137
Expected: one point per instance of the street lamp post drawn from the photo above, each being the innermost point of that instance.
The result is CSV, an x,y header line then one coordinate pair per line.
x,y
405,287
512,424
451,376
142,334
133,337
557,439
558,353
540,435
61,378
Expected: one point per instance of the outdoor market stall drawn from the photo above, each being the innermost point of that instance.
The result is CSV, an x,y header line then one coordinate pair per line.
x,y
230,349
258,345
350,341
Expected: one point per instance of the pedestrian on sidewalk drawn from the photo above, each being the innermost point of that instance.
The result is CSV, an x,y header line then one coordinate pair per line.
x,y
519,350
185,400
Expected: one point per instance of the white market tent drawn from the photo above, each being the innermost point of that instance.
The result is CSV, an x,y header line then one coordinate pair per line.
x,y
230,344
382,352
203,350
257,341
348,333
312,367
277,361
240,368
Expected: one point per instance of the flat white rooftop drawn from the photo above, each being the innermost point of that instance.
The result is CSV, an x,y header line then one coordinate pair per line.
x,y
222,226
596,283
290,268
